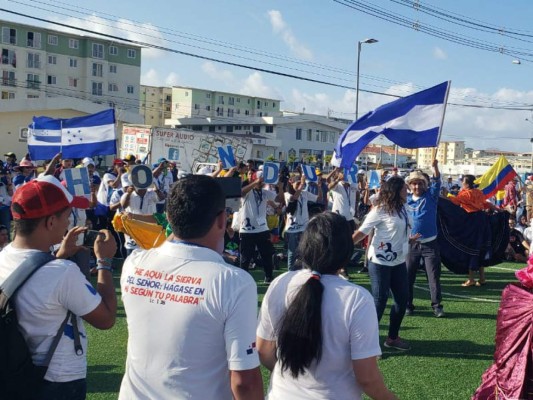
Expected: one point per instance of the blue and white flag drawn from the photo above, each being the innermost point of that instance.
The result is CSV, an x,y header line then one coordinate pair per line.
x,y
411,122
78,137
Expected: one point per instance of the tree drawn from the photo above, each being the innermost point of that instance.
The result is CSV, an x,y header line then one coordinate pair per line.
x,y
271,157
327,158
310,158
292,158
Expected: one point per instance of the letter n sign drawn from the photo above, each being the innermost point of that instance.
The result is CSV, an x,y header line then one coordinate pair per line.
x,y
225,153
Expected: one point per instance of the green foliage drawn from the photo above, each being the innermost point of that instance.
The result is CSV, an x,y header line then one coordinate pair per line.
x,y
271,157
447,358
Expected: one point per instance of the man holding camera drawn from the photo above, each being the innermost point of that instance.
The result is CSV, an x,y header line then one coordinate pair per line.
x,y
191,317
41,210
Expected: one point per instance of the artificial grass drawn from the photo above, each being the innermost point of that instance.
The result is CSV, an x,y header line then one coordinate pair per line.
x,y
447,357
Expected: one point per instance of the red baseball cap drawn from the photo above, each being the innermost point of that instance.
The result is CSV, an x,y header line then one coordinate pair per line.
x,y
42,197
118,161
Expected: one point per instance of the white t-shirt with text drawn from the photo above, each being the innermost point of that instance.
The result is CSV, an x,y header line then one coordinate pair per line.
x,y
298,221
191,319
253,210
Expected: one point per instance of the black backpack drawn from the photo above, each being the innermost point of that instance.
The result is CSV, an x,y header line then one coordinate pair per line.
x,y
20,379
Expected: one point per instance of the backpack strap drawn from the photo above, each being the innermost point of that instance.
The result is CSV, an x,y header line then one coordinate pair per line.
x,y
23,272
57,338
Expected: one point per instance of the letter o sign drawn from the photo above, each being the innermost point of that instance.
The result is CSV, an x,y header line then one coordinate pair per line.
x,y
141,177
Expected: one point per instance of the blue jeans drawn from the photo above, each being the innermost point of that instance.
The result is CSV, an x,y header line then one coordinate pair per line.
x,y
74,390
385,279
293,239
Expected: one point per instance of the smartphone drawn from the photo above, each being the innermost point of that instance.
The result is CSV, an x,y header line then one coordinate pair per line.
x,y
90,238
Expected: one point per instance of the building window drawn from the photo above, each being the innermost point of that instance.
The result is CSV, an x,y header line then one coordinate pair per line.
x,y
323,137
238,128
98,50
208,108
9,58
238,99
53,40
132,53
238,110
130,89
112,87
273,105
34,40
73,62
197,106
8,78
230,112
34,60
220,112
52,60
246,112
73,43
231,101
256,129
269,129
113,50
220,99
229,129
8,95
317,136
32,96
97,88
112,69
73,82
52,80
208,95
33,81
9,35
309,135
98,70
211,128
258,104
298,133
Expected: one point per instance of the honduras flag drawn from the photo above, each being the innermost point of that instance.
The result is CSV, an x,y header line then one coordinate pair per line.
x,y
78,137
410,122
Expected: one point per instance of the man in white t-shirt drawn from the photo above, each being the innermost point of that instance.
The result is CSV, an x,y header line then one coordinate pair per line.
x,y
297,217
41,209
343,196
191,317
254,230
163,180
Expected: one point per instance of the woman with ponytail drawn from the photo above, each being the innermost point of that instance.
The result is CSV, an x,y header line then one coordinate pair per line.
x,y
318,333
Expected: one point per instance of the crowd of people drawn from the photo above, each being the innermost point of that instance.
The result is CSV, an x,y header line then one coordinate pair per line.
x,y
318,333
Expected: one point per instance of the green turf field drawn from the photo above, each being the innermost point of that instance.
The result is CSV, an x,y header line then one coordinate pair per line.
x,y
446,361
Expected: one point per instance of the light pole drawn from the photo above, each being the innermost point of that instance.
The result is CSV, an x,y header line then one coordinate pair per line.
x,y
369,41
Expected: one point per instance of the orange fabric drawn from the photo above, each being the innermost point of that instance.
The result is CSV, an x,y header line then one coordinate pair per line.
x,y
471,200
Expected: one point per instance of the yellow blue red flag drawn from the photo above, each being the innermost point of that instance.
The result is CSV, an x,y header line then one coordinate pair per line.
x,y
496,177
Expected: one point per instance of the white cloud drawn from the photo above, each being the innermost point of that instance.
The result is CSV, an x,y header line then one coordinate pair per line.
x,y
439,54
172,79
280,28
218,74
151,78
122,28
254,86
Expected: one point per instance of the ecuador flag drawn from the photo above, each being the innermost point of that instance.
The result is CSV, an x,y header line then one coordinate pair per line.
x,y
496,177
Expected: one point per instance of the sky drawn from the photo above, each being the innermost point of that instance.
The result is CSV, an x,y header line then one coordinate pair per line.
x,y
318,40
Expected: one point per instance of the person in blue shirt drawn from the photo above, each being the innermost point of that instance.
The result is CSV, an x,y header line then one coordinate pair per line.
x,y
422,206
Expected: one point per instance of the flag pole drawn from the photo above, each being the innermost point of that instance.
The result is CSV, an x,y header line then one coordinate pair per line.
x,y
442,120
61,136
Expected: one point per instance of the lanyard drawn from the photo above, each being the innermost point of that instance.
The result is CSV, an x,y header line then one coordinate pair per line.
x,y
347,190
258,197
74,213
142,201
300,204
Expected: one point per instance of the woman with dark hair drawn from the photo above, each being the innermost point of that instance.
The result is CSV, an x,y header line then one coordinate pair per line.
x,y
318,333
390,223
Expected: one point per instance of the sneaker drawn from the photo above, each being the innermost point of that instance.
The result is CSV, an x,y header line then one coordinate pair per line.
x,y
438,311
267,281
410,310
398,344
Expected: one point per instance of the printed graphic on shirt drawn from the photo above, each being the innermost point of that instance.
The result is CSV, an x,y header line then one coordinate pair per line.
x,y
251,349
388,254
161,288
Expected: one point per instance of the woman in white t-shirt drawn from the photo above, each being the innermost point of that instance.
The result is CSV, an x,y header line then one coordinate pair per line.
x,y
318,333
390,223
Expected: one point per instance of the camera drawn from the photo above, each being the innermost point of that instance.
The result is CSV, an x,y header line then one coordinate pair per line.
x,y
90,238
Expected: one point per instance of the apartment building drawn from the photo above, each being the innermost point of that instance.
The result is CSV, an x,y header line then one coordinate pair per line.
x,y
446,153
155,104
54,73
190,102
